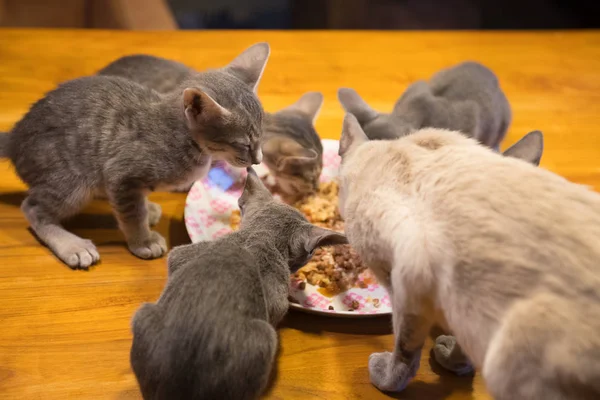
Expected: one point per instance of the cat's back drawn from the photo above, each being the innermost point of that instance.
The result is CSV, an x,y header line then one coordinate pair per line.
x,y
79,102
100,93
154,72
463,78
75,114
222,276
488,201
209,325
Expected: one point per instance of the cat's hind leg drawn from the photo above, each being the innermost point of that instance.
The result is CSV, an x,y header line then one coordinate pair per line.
x,y
447,353
154,212
44,208
541,352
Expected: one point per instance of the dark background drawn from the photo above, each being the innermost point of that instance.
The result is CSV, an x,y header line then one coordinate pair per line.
x,y
385,14
301,14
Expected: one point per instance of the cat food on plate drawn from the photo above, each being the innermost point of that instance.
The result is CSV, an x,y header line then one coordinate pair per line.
x,y
321,208
335,269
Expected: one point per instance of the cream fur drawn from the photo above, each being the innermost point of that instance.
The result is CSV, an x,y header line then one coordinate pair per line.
x,y
504,255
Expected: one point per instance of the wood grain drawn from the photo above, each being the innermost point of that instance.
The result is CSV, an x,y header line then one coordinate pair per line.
x,y
65,334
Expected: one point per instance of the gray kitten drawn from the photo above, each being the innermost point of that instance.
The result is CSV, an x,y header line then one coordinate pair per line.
x,y
292,147
465,98
103,135
211,334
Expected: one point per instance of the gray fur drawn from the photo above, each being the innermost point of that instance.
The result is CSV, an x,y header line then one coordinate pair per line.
x,y
211,334
157,73
465,98
529,148
108,135
292,148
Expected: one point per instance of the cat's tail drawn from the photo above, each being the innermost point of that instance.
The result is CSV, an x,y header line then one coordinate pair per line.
x,y
4,139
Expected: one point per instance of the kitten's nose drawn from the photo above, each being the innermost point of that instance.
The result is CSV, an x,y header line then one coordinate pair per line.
x,y
257,155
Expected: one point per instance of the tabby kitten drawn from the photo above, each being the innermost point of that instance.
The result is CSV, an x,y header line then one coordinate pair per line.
x,y
211,333
292,147
465,98
502,254
108,135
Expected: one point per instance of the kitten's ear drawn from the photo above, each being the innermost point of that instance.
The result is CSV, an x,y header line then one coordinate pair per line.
x,y
200,107
280,152
318,237
354,104
309,104
352,135
529,148
249,65
254,190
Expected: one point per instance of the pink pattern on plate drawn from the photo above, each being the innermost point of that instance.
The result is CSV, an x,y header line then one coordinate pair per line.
x,y
317,300
219,206
331,160
385,300
221,232
349,298
195,194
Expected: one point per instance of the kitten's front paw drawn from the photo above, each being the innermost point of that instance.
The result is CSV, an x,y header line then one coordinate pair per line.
x,y
77,253
448,354
154,213
152,247
389,375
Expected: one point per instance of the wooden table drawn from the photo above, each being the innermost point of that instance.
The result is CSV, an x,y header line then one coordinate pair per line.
x,y
65,334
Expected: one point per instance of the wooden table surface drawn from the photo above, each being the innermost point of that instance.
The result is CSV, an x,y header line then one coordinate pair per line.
x,y
65,334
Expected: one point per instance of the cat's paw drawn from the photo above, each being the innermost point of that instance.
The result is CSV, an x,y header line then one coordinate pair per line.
x,y
77,253
448,354
153,246
154,213
389,375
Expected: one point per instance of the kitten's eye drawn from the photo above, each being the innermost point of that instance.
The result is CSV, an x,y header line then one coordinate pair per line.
x,y
242,147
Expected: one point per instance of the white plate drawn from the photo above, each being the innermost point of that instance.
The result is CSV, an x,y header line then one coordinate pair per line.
x,y
207,210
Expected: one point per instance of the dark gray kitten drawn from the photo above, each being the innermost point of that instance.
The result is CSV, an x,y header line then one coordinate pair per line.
x,y
466,98
211,333
292,147
110,136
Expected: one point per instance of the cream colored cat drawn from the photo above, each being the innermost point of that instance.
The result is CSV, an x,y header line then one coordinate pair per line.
x,y
504,255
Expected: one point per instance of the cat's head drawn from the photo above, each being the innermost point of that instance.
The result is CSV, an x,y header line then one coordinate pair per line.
x,y
376,125
288,227
292,149
223,111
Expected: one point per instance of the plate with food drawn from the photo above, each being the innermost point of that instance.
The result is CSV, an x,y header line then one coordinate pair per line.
x,y
335,281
